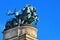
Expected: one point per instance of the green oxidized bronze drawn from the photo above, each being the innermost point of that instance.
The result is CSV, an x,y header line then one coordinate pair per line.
x,y
27,17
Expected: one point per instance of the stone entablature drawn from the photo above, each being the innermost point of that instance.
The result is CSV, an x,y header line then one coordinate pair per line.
x,y
27,32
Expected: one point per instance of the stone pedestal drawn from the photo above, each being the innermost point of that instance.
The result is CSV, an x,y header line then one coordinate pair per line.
x,y
23,32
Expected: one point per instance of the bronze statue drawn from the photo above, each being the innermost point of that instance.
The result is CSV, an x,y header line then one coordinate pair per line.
x,y
27,17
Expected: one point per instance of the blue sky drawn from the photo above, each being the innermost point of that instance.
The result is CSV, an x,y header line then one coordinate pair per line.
x,y
47,10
